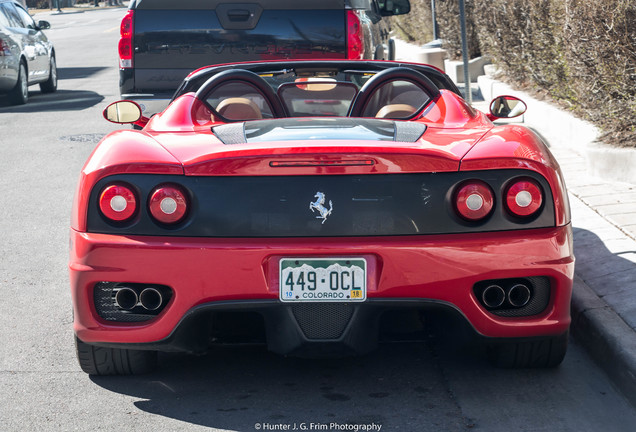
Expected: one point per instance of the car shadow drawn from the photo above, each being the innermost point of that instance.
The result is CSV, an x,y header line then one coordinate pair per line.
x,y
604,266
236,388
61,100
66,73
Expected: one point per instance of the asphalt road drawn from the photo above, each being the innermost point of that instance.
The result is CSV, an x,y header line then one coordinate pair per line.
x,y
432,384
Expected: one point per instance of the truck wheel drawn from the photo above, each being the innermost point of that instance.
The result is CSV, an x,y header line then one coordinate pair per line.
x,y
50,85
19,95
96,360
539,353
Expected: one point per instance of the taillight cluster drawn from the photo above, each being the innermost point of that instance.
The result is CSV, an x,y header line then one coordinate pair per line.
x,y
475,200
355,44
167,204
126,42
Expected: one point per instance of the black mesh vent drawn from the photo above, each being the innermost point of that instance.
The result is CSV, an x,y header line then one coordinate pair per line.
x,y
323,320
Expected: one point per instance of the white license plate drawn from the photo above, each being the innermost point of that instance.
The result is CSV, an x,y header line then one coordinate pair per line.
x,y
323,279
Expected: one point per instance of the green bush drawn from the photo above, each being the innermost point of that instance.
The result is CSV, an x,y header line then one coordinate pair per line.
x,y
581,53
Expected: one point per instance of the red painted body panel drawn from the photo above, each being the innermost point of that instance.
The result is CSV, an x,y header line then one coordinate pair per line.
x,y
439,268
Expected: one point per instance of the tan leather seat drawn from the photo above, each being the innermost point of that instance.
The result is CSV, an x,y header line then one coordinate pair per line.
x,y
238,108
396,111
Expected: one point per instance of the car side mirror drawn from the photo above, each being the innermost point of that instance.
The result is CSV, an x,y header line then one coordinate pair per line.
x,y
124,112
394,7
44,25
506,107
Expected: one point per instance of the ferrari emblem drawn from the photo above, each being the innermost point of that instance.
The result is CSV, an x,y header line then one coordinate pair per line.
x,y
319,206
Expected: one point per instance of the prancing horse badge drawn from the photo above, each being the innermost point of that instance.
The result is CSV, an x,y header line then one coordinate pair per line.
x,y
319,205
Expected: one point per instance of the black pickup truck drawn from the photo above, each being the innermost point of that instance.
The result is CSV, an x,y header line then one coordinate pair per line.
x,y
164,40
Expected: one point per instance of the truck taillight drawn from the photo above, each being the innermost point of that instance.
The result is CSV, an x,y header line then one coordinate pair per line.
x,y
355,46
126,42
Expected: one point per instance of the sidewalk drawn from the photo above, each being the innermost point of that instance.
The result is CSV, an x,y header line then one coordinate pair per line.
x,y
604,227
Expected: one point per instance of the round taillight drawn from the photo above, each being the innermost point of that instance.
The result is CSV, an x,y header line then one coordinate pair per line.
x,y
118,203
474,200
168,204
524,198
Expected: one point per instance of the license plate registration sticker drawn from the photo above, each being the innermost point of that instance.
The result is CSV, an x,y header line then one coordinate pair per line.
x,y
323,279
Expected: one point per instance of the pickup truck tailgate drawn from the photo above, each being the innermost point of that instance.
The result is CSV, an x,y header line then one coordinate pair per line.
x,y
172,38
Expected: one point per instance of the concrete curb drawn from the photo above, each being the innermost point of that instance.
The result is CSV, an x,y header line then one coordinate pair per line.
x,y
610,342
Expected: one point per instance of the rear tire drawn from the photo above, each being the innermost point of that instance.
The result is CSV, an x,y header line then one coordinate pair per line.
x,y
50,85
19,95
538,353
96,360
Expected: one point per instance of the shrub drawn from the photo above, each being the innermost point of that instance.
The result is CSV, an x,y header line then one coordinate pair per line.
x,y
581,53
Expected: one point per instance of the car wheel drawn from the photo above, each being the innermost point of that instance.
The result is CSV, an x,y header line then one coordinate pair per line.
x,y
19,95
50,85
96,360
539,353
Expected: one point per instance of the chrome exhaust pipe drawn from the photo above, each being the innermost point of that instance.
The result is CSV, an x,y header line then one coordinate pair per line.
x,y
126,298
151,299
493,296
519,295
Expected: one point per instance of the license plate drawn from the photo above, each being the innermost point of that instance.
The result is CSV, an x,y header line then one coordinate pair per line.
x,y
323,279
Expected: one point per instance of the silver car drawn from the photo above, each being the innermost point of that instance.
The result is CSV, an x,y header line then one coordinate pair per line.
x,y
26,55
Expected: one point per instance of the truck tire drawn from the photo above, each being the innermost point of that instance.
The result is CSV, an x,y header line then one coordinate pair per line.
x,y
96,360
537,353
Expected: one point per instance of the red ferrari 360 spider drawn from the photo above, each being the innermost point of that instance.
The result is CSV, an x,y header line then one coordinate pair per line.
x,y
303,204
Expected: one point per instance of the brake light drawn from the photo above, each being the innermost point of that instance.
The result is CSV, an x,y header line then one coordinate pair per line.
x,y
355,46
168,204
5,49
126,42
118,203
474,200
524,198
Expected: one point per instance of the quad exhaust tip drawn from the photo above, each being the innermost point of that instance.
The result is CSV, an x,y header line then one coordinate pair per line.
x,y
493,296
519,295
515,295
126,298
150,299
